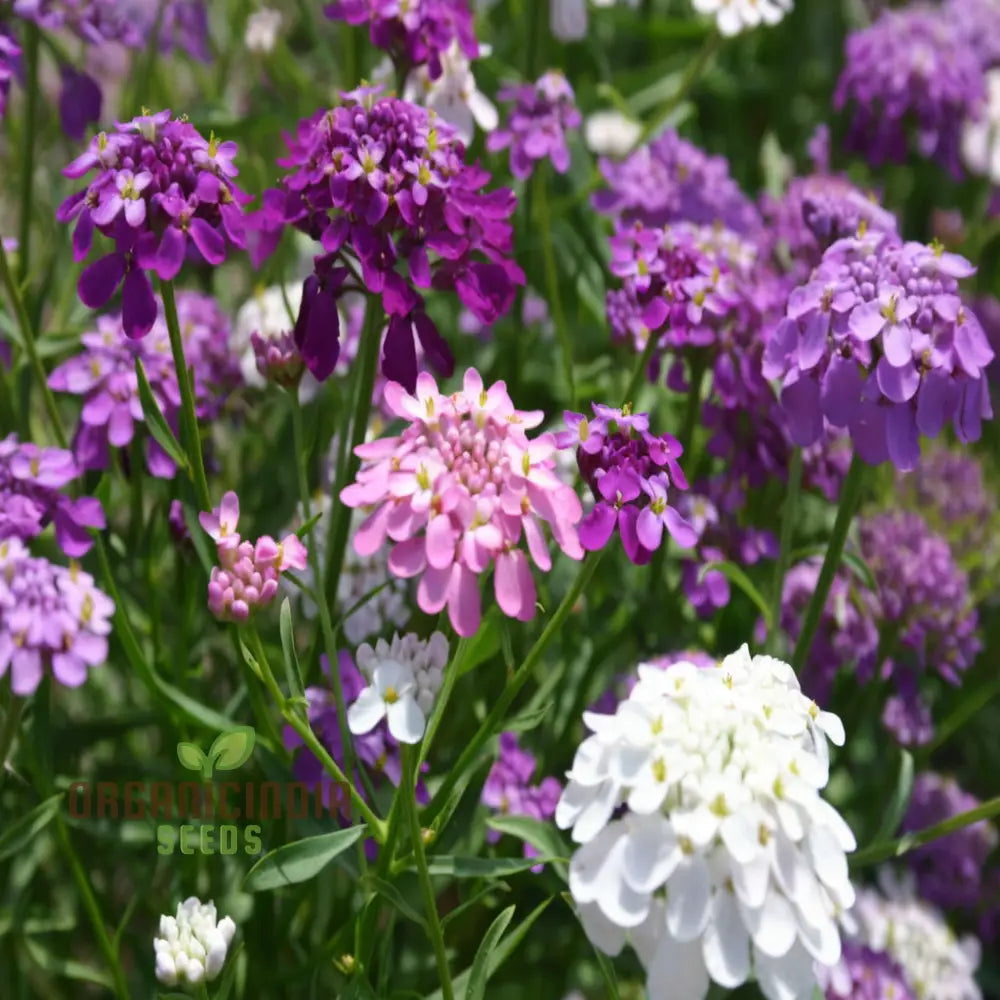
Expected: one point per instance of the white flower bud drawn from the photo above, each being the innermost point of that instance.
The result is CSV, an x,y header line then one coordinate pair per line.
x,y
192,946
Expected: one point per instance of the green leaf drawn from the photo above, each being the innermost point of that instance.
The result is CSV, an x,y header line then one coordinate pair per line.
x,y
474,900
292,669
232,750
190,755
529,719
542,836
394,896
896,807
483,645
735,575
299,861
156,422
67,968
308,526
482,867
24,830
480,972
852,560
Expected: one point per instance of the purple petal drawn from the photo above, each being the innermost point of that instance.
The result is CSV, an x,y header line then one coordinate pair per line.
x,y
99,281
597,526
800,398
898,384
138,304
936,402
901,437
208,240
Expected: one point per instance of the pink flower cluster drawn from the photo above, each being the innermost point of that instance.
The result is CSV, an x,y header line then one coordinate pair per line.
x,y
457,491
247,575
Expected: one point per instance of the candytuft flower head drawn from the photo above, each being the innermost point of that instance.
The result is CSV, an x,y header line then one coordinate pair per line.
x,y
734,16
706,783
631,473
543,113
864,974
880,342
404,677
161,193
385,182
457,492
191,947
248,573
52,619
911,65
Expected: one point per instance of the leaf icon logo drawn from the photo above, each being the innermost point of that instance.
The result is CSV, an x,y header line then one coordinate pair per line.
x,y
228,751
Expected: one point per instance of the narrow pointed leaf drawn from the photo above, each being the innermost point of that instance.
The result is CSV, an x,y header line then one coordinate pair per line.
x,y
299,861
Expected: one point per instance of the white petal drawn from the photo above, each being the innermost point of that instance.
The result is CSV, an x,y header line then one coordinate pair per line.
x,y
406,721
822,940
651,853
366,713
596,813
828,860
600,931
726,945
772,926
574,797
688,899
677,972
586,867
833,727
791,977
740,835
751,879
392,674
483,111
597,875
645,939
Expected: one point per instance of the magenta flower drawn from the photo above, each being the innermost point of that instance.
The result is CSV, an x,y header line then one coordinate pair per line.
x,y
52,619
630,472
384,187
414,33
30,499
161,193
457,492
10,55
543,113
248,574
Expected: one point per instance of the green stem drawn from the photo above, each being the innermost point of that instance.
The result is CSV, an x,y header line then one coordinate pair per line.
x,y
443,697
189,416
639,372
258,703
348,469
302,727
322,604
850,496
30,346
202,991
973,704
552,281
494,720
430,900
11,722
691,74
876,853
28,159
788,512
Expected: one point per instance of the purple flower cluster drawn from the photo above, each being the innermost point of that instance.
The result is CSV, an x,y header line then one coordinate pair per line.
x,y
104,374
162,193
248,574
93,21
543,113
977,22
509,791
879,341
912,65
376,752
864,974
925,604
413,32
51,619
673,179
631,474
950,870
383,182
30,499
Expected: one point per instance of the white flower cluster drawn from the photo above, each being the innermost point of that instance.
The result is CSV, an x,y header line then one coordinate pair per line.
x,y
192,945
981,136
724,860
734,16
404,678
262,30
937,964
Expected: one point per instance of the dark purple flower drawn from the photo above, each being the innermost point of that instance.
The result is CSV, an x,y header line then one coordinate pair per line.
x,y
93,21
380,183
508,790
543,113
916,66
79,102
30,499
104,374
950,870
415,32
161,193
630,473
880,342
52,619
670,180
